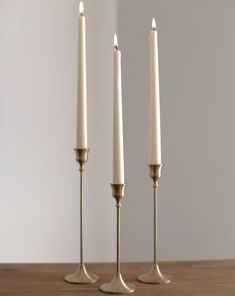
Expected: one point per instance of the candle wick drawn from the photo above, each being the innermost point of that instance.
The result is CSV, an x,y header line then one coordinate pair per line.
x,y
116,47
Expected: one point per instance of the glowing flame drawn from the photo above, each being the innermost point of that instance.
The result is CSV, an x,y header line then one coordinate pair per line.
x,y
115,41
154,26
81,7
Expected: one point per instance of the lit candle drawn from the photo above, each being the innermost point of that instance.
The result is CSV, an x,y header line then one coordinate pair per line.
x,y
82,87
155,128
118,153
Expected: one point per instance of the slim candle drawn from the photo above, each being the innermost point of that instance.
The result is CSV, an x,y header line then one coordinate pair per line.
x,y
155,125
118,153
82,85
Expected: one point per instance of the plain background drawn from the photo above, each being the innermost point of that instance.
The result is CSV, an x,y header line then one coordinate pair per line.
x,y
39,201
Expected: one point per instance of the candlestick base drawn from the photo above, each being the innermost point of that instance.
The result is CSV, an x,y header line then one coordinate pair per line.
x,y
154,276
117,286
81,276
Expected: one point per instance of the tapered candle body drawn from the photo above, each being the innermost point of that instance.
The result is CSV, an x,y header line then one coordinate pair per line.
x,y
155,125
118,153
82,85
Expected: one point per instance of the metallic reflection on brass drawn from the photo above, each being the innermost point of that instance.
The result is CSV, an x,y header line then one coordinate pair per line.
x,y
117,284
81,276
154,276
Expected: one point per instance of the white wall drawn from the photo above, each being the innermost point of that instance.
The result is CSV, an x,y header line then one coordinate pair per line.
x,y
39,178
197,70
39,188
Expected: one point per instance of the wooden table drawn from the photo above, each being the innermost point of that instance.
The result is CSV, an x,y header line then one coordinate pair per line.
x,y
206,278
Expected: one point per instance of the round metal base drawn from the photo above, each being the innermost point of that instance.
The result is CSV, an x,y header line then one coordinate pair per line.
x,y
81,276
117,286
154,276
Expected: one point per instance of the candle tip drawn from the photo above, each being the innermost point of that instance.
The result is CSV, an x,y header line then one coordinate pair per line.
x,y
81,7
154,26
115,41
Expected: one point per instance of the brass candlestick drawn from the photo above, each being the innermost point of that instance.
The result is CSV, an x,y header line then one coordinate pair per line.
x,y
154,276
81,276
117,284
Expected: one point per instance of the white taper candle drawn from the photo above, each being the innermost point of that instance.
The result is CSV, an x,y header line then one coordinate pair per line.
x,y
82,83
155,125
118,153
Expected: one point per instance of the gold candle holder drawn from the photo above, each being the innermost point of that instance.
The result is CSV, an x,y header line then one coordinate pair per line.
x,y
117,284
81,276
154,275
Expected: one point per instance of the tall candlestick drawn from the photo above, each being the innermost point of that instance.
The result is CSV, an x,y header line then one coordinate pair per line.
x,y
155,127
82,85
154,275
118,153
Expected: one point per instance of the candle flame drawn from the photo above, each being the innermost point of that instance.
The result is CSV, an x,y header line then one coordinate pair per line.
x,y
81,7
115,41
154,26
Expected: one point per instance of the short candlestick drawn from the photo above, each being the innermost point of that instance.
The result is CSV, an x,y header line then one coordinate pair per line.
x,y
117,284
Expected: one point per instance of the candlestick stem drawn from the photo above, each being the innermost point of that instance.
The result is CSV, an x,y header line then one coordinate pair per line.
x,y
155,185
118,236
154,276
81,216
81,276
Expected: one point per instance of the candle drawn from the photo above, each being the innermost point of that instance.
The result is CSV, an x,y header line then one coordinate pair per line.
x,y
118,153
155,128
82,87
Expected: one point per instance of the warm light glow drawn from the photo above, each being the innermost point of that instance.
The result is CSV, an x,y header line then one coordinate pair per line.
x,y
154,26
81,7
115,41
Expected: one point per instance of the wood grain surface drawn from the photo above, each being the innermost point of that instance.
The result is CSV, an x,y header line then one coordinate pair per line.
x,y
204,278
